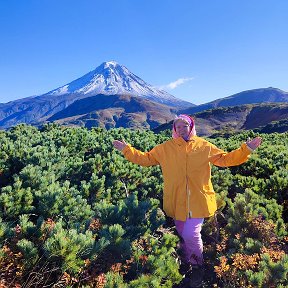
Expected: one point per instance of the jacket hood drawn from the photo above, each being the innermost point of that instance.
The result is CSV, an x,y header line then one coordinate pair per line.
x,y
187,119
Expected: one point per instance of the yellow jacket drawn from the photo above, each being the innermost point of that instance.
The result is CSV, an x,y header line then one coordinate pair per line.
x,y
188,191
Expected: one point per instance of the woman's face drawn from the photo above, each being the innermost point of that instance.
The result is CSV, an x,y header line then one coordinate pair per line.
x,y
182,128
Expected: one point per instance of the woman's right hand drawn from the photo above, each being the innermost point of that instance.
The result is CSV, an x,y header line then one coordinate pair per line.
x,y
254,143
119,145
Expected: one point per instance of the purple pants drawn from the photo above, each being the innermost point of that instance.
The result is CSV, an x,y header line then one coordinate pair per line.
x,y
191,244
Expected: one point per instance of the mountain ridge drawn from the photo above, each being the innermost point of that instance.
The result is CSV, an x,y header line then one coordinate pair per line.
x,y
253,96
233,119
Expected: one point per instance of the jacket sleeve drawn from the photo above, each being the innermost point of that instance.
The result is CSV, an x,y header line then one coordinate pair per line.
x,y
140,158
236,157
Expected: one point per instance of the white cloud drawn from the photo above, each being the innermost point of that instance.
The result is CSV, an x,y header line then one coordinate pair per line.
x,y
175,84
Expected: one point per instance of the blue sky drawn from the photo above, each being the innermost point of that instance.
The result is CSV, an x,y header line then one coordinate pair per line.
x,y
197,50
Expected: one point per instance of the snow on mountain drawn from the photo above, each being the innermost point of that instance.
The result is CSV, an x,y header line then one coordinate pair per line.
x,y
110,78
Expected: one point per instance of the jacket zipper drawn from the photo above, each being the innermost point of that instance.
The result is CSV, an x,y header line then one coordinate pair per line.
x,y
188,192
188,199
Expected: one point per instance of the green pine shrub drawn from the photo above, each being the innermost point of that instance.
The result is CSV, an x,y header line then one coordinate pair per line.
x,y
73,210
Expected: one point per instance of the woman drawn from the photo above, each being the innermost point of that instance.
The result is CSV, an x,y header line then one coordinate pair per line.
x,y
188,195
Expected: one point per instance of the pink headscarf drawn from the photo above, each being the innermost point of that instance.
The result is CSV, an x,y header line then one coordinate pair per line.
x,y
187,119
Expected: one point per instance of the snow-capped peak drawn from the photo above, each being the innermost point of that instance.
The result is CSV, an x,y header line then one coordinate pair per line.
x,y
110,78
110,64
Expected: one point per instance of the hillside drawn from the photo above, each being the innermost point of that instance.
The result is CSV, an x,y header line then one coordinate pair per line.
x,y
33,109
238,118
114,111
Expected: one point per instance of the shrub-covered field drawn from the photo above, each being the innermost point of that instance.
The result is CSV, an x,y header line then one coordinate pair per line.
x,y
75,213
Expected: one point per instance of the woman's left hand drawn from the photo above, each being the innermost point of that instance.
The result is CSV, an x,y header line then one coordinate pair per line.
x,y
254,143
119,145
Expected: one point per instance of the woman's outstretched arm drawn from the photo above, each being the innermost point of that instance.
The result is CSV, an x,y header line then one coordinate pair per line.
x,y
236,157
136,156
